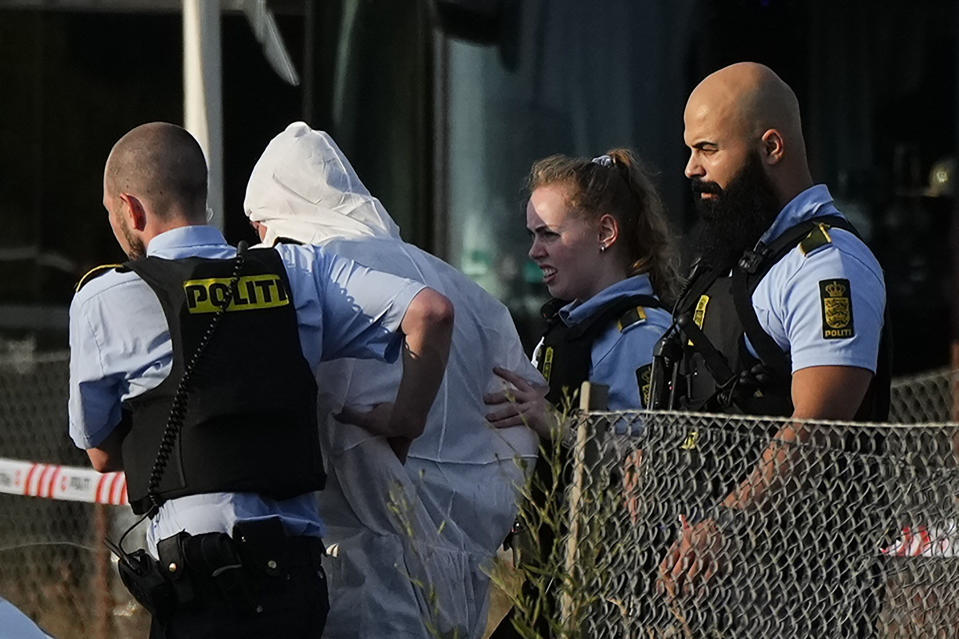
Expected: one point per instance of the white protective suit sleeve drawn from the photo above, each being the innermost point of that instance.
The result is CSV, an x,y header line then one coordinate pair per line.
x,y
401,531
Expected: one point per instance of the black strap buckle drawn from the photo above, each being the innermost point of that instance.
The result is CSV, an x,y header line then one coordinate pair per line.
x,y
752,258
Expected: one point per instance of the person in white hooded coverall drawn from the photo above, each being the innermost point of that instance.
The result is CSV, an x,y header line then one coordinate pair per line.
x,y
412,544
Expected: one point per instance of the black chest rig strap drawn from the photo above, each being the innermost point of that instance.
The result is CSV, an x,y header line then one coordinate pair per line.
x,y
720,373
250,422
565,354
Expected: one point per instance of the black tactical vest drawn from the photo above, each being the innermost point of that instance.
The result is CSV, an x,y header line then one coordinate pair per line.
x,y
716,372
250,420
716,314
564,356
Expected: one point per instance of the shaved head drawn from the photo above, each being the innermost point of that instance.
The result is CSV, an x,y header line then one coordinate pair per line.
x,y
740,111
747,157
753,97
163,165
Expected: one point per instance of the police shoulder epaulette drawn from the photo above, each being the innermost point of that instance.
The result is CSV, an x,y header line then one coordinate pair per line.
x,y
93,273
635,315
817,238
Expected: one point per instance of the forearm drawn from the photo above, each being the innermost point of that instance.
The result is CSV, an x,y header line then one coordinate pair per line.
x,y
818,393
778,462
428,326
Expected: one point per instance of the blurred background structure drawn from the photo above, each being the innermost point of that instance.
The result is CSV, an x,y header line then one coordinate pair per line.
x,y
442,106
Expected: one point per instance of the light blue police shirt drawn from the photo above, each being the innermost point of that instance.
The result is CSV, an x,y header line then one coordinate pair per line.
x,y
618,354
16,625
792,305
120,347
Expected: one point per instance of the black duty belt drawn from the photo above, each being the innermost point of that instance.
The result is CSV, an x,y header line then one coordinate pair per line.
x,y
213,566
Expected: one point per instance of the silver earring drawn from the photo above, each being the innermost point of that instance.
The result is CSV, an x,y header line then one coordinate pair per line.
x,y
602,248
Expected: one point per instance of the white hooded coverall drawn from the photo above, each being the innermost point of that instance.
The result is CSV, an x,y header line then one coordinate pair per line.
x,y
412,543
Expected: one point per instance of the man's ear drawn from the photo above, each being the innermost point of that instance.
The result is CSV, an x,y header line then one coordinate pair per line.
x,y
608,230
133,209
773,146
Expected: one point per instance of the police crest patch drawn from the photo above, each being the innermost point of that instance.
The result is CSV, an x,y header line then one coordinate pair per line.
x,y
643,380
836,299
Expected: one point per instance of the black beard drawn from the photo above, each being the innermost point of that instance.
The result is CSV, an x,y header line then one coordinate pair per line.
x,y
735,218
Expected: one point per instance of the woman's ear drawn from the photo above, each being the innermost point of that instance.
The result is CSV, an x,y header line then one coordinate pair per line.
x,y
608,231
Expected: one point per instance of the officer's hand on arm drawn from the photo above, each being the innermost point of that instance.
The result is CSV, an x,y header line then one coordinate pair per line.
x,y
428,327
521,403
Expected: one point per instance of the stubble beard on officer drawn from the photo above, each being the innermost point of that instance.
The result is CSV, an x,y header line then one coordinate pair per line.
x,y
735,217
133,246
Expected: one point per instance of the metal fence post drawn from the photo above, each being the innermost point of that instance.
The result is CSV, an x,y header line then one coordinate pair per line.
x,y
592,397
102,594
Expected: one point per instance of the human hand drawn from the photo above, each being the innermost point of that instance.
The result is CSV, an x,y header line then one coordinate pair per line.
x,y
520,403
378,422
692,560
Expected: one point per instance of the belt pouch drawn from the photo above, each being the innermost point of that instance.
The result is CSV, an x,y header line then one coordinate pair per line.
x,y
177,567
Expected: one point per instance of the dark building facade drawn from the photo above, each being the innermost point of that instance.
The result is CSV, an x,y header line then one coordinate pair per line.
x,y
444,104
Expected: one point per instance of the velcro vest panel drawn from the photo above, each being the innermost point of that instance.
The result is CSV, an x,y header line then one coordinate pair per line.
x,y
250,420
565,354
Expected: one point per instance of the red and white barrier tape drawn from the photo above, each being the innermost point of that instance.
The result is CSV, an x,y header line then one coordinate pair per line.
x,y
926,541
84,484
62,482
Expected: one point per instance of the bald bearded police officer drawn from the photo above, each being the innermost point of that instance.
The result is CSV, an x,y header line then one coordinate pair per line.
x,y
784,315
191,369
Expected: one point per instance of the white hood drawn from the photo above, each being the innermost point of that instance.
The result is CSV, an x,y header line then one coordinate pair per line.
x,y
303,188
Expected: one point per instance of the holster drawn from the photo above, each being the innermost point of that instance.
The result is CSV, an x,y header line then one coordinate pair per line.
x,y
143,577
204,566
194,569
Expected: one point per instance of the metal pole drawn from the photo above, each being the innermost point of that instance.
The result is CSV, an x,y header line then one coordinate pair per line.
x,y
309,63
202,92
103,593
592,397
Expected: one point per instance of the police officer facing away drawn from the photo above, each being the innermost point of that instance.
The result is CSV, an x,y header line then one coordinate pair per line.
x,y
783,314
191,370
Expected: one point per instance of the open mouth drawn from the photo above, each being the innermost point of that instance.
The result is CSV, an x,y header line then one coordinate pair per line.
x,y
548,273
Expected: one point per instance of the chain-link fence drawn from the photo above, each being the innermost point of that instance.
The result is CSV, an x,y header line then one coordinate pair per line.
x,y
856,532
53,564
693,525
929,397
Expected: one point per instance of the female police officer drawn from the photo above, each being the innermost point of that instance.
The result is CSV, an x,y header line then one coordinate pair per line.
x,y
600,236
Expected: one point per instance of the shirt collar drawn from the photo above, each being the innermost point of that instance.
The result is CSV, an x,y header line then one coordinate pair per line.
x,y
575,312
184,237
813,202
